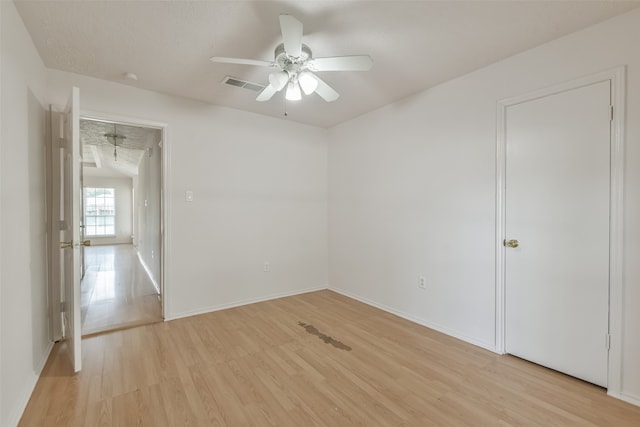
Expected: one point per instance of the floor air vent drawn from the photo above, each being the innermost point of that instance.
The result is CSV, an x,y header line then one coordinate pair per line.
x,y
243,84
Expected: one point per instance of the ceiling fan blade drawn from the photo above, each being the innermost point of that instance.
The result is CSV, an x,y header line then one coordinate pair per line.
x,y
342,63
225,60
291,35
266,94
325,91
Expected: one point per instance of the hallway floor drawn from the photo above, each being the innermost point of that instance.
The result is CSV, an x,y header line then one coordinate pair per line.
x,y
116,290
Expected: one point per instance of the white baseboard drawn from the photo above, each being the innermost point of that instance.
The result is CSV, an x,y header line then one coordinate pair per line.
x,y
146,268
244,302
629,398
30,385
487,346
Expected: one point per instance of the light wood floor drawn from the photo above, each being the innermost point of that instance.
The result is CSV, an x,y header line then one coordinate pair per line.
x,y
116,291
315,359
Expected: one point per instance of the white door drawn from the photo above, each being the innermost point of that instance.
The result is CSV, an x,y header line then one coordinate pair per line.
x,y
82,262
557,208
54,253
70,229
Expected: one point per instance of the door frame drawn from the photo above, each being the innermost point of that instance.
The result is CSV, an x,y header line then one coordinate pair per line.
x,y
616,181
164,192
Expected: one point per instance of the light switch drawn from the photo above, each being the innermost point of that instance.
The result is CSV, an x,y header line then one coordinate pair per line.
x,y
188,196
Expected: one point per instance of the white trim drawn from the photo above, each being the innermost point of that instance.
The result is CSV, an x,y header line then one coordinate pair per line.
x,y
417,320
213,308
27,391
616,230
501,172
616,288
121,120
165,202
629,398
165,230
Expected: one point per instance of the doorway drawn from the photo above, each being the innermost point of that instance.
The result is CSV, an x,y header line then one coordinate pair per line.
x,y
122,216
558,287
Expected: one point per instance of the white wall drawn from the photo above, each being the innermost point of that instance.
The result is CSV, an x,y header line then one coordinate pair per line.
x,y
124,207
412,193
412,190
23,307
260,194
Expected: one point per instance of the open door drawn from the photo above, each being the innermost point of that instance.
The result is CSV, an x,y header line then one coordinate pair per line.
x,y
83,263
54,209
70,235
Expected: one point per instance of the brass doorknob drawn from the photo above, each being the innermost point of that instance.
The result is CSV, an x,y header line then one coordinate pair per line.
x,y
86,243
511,243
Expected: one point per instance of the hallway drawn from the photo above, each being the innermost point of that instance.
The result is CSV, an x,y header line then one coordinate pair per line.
x,y
116,290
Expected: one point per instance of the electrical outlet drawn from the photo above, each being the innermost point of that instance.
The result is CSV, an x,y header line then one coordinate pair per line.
x,y
422,283
267,267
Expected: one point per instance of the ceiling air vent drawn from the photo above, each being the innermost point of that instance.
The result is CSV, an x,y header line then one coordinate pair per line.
x,y
243,84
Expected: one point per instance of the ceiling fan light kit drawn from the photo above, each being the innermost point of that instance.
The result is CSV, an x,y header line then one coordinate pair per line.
x,y
308,82
279,80
115,140
293,91
296,66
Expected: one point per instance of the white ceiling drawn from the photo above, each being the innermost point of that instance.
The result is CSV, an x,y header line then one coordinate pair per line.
x,y
98,153
414,44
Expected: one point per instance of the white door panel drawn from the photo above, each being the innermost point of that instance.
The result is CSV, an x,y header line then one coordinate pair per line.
x,y
557,207
71,229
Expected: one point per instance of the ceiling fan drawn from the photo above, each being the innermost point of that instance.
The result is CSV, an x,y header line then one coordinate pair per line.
x,y
92,136
295,66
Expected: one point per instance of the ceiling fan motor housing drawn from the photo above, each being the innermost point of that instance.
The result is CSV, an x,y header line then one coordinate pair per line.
x,y
293,65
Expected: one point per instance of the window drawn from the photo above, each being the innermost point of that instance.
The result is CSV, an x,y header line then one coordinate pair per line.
x,y
99,211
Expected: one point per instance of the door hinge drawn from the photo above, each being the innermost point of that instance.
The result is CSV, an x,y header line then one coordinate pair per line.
x,y
607,341
610,113
63,306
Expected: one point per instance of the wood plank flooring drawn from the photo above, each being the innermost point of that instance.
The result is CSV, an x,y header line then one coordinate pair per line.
x,y
116,291
318,359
